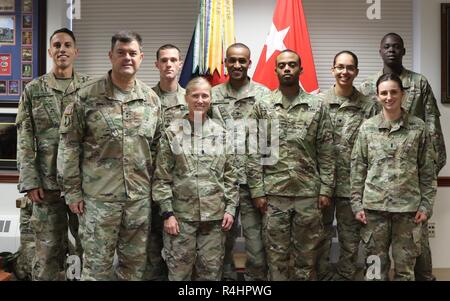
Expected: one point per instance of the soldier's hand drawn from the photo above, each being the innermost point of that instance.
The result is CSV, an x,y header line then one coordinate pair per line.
x,y
420,217
36,195
324,201
77,208
227,221
260,204
361,216
171,226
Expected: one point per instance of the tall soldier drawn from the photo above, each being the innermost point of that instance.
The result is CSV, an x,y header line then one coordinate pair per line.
x,y
42,103
109,136
300,178
173,105
420,102
348,109
232,104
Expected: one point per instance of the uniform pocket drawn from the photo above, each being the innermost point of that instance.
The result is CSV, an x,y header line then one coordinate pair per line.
x,y
417,238
366,235
350,131
148,123
409,147
44,112
218,164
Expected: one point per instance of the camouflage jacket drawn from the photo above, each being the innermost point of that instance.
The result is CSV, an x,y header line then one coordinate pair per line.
x,y
347,114
236,106
302,162
109,145
420,102
195,175
38,118
391,167
173,105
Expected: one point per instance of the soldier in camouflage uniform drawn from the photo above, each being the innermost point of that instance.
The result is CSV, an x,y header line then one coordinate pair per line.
x,y
393,183
348,109
232,104
195,185
109,135
173,106
40,109
419,102
299,181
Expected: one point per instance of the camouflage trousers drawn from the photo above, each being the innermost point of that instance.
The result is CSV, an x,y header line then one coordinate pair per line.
x,y
50,220
251,220
396,230
109,227
348,229
292,226
229,268
199,246
423,269
25,257
156,268
323,265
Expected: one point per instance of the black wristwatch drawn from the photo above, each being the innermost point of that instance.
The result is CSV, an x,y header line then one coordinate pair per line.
x,y
167,214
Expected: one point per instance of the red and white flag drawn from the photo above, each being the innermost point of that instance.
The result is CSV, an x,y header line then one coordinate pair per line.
x,y
288,31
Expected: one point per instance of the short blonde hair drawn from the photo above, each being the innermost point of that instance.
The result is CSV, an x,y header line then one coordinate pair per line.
x,y
197,81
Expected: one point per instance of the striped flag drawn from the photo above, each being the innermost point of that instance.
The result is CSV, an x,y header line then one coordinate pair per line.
x,y
213,33
288,31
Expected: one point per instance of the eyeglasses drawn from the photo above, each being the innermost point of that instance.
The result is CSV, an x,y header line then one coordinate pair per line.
x,y
350,68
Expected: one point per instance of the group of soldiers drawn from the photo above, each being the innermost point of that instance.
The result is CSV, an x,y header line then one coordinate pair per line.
x,y
155,178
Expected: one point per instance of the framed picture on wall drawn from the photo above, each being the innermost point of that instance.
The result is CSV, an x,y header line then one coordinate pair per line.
x,y
27,37
445,53
27,6
3,87
27,54
23,50
13,87
27,70
8,141
27,21
7,30
7,6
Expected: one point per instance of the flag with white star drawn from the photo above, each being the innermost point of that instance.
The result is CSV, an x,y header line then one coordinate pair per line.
x,y
288,31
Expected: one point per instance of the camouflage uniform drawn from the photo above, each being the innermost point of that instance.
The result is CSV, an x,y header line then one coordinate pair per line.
x,y
109,148
303,169
229,104
25,256
420,102
197,181
392,177
347,115
39,114
173,106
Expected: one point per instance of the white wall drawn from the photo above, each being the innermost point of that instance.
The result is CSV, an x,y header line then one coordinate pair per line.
x,y
427,38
